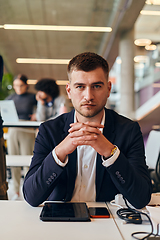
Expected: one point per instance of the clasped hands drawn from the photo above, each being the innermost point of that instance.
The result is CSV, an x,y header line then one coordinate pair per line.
x,y
88,133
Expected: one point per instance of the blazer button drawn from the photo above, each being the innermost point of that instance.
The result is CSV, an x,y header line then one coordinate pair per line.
x,y
54,174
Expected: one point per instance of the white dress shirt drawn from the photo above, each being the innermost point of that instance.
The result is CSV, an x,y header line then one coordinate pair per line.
x,y
85,189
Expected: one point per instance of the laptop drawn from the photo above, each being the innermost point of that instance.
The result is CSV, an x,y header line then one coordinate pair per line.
x,y
10,117
65,211
8,111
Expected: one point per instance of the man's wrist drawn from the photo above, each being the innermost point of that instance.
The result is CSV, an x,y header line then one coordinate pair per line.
x,y
114,149
109,161
58,161
60,154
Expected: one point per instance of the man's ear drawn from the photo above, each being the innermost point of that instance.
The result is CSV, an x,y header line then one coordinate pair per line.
x,y
109,87
68,89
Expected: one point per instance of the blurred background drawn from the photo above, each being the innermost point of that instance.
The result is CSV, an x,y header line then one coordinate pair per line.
x,y
38,38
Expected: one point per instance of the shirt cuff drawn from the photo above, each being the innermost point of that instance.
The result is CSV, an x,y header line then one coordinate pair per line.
x,y
58,161
111,160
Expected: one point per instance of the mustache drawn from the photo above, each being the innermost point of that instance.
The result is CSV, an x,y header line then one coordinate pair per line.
x,y
88,103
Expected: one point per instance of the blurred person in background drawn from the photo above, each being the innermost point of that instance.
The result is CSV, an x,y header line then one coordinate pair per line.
x,y
3,183
50,103
21,140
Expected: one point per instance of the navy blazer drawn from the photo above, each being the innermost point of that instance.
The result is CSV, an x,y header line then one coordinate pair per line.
x,y
128,175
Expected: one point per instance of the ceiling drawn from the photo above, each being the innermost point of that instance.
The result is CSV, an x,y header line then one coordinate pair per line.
x,y
118,14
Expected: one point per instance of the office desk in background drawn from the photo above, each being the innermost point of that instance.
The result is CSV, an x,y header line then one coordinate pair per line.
x,y
18,220
18,160
30,124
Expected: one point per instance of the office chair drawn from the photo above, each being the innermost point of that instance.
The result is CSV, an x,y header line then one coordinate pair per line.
x,y
152,148
152,151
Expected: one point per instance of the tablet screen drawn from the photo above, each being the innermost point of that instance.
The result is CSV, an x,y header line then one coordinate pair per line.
x,y
59,211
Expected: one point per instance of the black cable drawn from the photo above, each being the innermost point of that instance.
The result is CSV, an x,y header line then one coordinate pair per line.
x,y
131,215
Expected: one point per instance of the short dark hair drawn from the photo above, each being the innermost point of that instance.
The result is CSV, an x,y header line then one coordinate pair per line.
x,y
88,61
22,77
49,86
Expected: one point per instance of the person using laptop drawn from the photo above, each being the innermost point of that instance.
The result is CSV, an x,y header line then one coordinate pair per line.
x,y
3,182
21,140
91,153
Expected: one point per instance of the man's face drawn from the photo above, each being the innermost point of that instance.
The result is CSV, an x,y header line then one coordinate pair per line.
x,y
88,91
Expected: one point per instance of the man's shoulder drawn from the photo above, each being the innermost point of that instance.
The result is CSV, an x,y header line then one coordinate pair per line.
x,y
118,118
120,124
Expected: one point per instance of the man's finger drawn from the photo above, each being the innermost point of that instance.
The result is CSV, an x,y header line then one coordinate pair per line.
x,y
91,124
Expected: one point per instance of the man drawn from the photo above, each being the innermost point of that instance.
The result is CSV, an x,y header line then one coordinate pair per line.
x,y
3,183
50,103
91,153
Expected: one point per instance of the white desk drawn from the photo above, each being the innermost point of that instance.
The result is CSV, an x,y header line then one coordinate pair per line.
x,y
127,229
31,124
18,220
18,160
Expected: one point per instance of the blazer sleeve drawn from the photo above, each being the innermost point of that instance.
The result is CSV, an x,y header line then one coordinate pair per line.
x,y
44,172
129,172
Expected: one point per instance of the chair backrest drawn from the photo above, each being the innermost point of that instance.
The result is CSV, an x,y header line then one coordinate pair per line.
x,y
152,148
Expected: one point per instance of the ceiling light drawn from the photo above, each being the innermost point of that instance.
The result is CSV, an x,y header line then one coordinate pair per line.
x,y
118,60
156,127
156,85
147,12
31,81
142,42
151,47
42,61
59,82
56,28
62,82
157,64
153,2
140,59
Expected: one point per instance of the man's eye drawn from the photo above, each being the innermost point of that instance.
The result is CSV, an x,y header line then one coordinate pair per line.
x,y
80,87
97,86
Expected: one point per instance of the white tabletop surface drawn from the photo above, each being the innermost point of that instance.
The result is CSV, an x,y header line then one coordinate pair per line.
x,y
22,124
18,221
18,160
127,229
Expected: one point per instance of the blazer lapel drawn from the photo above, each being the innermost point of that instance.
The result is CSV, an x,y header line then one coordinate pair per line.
x,y
69,119
109,133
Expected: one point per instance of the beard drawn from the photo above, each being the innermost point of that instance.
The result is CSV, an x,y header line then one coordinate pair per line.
x,y
89,113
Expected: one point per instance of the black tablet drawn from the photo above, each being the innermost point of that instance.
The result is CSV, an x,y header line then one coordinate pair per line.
x,y
60,211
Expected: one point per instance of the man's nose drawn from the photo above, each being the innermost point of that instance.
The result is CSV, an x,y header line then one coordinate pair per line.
x,y
88,94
